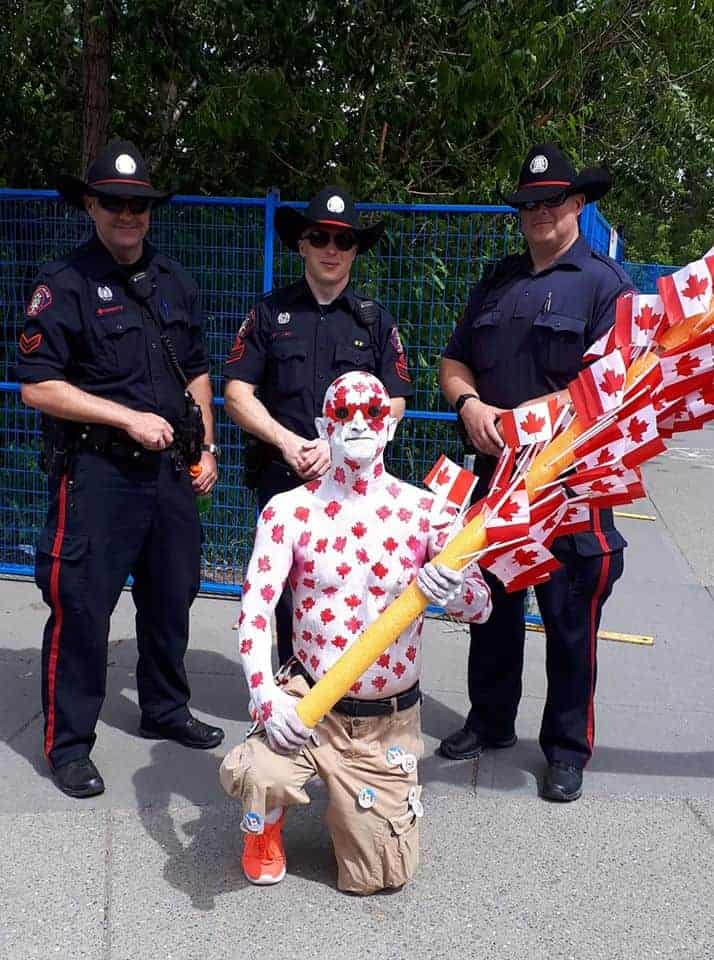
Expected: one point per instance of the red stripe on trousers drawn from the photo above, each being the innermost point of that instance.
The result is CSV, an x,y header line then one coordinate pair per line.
x,y
594,603
58,615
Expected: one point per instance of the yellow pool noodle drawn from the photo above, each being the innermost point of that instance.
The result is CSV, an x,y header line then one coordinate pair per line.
x,y
393,621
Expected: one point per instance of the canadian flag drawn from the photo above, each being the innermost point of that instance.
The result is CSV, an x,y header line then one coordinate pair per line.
x,y
575,519
605,344
598,485
632,478
685,369
605,446
546,515
522,565
688,292
508,516
689,413
639,428
448,480
532,423
638,319
599,388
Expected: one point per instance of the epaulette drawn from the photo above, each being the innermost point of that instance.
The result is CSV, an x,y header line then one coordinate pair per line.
x,y
616,268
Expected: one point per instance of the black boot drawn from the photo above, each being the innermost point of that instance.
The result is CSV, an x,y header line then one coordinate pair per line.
x,y
562,782
465,744
189,733
78,778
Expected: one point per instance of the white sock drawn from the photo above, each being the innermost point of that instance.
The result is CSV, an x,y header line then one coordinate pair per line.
x,y
272,816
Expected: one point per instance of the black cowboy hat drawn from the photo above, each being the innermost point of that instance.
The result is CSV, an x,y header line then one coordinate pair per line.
x,y
118,170
331,207
546,172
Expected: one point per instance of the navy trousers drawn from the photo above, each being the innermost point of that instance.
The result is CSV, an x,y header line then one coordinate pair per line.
x,y
570,603
108,519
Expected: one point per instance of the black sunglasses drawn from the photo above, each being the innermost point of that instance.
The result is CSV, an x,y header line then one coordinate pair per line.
x,y
557,201
117,204
320,238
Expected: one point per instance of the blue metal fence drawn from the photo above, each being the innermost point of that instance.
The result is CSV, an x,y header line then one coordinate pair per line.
x,y
422,270
645,275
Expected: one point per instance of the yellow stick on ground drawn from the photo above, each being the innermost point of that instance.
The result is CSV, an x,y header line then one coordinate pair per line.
x,y
381,634
634,516
638,638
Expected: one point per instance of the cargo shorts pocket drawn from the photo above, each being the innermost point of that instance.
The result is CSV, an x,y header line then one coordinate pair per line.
x,y
401,849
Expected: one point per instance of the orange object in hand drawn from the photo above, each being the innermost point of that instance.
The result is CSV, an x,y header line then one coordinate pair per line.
x,y
195,470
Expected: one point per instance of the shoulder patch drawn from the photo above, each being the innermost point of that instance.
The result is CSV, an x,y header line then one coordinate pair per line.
x,y
40,300
396,340
30,344
248,324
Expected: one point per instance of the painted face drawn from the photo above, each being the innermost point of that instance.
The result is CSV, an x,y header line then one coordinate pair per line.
x,y
357,418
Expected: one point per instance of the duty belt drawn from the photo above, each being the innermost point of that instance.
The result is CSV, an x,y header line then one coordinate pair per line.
x,y
351,707
109,441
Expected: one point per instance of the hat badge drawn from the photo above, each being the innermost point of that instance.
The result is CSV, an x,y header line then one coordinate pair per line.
x,y
539,164
125,164
336,204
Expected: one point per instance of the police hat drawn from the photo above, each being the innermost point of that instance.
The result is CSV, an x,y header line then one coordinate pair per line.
x,y
331,207
546,172
118,170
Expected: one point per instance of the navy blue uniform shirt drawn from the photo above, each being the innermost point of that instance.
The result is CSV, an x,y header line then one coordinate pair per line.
x,y
292,348
523,334
82,326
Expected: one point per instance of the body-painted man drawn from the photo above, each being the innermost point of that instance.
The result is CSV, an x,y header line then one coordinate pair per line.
x,y
347,544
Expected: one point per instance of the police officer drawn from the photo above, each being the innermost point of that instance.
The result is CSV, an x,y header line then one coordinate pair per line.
x,y
113,355
296,341
522,336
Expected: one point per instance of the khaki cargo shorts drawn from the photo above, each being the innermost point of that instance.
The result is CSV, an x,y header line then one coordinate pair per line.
x,y
368,766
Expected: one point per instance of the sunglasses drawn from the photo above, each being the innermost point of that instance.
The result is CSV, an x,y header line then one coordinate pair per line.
x,y
320,238
372,410
557,201
117,204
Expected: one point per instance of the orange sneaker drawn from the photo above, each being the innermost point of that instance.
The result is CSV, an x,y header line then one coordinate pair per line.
x,y
263,859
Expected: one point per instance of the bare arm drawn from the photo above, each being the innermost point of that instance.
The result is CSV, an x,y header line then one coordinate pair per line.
x,y
60,399
397,407
479,418
308,458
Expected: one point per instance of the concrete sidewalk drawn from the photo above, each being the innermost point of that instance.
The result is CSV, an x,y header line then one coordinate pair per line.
x,y
151,869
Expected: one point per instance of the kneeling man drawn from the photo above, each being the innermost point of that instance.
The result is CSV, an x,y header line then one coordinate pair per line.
x,y
347,543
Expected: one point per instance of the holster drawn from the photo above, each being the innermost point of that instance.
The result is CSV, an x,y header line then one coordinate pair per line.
x,y
59,445
189,434
254,461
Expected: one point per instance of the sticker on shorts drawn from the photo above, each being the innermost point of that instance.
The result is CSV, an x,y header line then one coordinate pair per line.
x,y
252,823
394,755
367,797
409,763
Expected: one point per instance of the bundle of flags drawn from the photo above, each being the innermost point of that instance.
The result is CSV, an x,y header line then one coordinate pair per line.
x,y
649,377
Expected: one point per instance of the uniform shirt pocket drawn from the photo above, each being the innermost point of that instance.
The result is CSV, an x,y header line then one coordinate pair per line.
x,y
288,357
560,343
121,335
484,340
349,356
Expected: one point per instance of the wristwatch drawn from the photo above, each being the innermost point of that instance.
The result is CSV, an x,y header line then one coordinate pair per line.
x,y
461,400
211,448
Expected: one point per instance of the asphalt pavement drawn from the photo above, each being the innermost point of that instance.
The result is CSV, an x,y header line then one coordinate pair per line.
x,y
151,869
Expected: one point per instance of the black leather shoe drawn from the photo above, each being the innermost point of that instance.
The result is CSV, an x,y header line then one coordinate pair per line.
x,y
190,733
78,778
466,744
562,782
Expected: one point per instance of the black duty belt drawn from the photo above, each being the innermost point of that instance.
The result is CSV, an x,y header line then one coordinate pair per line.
x,y
110,441
351,707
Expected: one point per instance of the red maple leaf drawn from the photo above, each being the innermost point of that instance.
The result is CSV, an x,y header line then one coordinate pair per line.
x,y
340,544
352,464
379,570
376,591
246,646
321,545
263,564
600,486
329,591
378,470
362,555
383,661
570,514
314,662
327,615
302,513
550,522
612,382
411,653
259,622
332,509
398,668
390,544
647,319
508,511
313,485
360,486
426,503
356,687
303,655
379,682
306,636
424,525
308,603
532,424
340,475
304,538
413,543
394,490
267,593
407,562
266,710
695,286
320,640
277,533
443,476
605,456
636,429
339,642
525,558
404,514
359,530
468,596
256,679
344,569
687,364
383,513
352,601
309,566
268,513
